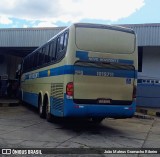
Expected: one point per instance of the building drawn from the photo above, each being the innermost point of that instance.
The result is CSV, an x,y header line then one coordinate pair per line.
x,y
17,43
148,91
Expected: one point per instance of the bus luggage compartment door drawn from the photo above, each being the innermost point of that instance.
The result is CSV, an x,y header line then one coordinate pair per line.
x,y
107,84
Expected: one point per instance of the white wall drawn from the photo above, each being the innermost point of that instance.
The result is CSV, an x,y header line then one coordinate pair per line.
x,y
150,63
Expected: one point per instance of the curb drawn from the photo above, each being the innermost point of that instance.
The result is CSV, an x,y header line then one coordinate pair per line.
x,y
9,104
149,111
142,116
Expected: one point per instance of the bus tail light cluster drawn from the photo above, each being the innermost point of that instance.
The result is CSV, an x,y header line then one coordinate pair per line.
x,y
134,92
69,90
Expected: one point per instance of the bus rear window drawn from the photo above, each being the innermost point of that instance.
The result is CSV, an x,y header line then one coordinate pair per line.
x,y
105,40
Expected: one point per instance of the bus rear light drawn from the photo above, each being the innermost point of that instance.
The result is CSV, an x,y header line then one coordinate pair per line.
x,y
69,89
134,92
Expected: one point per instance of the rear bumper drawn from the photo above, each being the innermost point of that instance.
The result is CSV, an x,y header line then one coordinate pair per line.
x,y
72,109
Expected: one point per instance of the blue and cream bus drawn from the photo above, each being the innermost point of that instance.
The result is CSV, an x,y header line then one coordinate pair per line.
x,y
86,70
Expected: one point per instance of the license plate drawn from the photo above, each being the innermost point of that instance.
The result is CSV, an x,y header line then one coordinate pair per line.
x,y
104,101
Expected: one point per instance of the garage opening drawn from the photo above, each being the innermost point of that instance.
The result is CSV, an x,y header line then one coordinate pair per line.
x,y
10,59
16,43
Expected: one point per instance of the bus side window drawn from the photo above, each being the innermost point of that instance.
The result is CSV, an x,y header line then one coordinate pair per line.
x,y
58,45
38,58
43,52
65,39
50,52
62,45
53,50
32,62
61,42
29,60
47,54
41,57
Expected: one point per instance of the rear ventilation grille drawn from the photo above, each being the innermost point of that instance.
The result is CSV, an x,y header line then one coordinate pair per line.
x,y
57,95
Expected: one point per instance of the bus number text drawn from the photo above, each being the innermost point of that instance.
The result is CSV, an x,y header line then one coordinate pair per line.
x,y
105,74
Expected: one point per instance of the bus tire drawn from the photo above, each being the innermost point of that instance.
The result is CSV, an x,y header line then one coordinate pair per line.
x,y
41,108
48,114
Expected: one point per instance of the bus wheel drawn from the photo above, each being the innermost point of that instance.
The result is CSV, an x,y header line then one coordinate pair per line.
x,y
97,120
48,114
41,108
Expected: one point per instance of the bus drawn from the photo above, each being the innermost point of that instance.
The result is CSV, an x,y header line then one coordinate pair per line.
x,y
86,71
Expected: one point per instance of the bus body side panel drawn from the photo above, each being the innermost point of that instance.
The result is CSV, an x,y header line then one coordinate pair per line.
x,y
29,92
56,96
57,88
46,80
30,98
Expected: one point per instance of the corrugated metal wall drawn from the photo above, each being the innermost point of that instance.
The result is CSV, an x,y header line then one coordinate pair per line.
x,y
26,37
148,34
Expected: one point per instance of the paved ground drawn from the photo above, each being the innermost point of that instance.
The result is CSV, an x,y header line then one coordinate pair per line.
x,y
21,127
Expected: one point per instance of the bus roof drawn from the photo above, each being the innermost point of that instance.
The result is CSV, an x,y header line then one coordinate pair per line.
x,y
102,26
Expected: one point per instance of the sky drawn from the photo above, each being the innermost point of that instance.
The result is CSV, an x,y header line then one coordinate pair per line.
x,y
56,13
